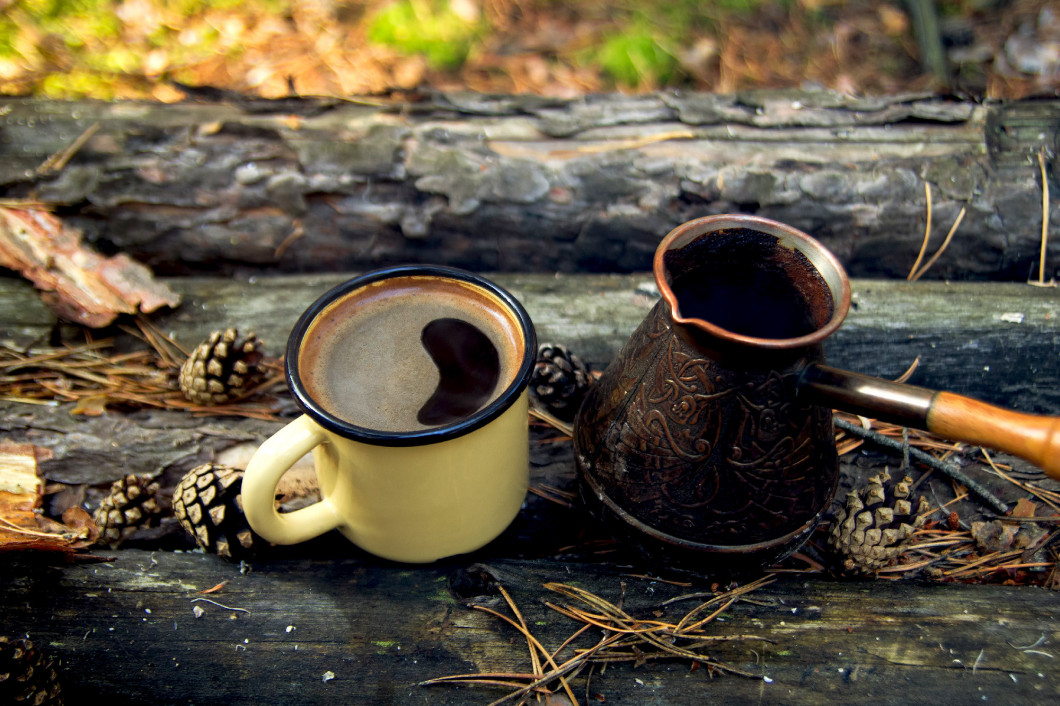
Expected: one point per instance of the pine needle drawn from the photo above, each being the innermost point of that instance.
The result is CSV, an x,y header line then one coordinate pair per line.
x,y
625,639
1045,224
927,233
949,236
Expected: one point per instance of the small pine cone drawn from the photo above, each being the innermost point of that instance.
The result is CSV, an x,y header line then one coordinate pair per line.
x,y
222,368
875,524
27,676
131,505
208,503
560,380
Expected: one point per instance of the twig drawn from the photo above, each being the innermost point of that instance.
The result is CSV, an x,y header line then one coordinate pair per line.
x,y
649,577
948,468
59,160
1028,520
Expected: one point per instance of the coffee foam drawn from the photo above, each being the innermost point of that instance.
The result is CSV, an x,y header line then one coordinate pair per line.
x,y
362,359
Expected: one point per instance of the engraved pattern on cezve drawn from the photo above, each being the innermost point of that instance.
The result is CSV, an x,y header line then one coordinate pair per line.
x,y
714,457
605,402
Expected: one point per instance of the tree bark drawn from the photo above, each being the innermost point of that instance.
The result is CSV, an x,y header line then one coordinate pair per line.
x,y
523,183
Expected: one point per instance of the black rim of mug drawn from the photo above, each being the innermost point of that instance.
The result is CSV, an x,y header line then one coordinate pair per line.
x,y
425,436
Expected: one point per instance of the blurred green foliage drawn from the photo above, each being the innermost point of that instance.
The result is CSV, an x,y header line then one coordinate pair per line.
x,y
83,47
71,20
643,46
111,48
427,27
636,56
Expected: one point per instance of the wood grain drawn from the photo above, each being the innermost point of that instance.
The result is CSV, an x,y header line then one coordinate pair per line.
x,y
524,183
127,632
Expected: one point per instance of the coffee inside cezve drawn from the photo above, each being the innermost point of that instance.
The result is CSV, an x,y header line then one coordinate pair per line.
x,y
748,284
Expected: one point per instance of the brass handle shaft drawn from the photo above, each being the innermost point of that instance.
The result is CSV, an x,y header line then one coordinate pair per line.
x,y
1034,438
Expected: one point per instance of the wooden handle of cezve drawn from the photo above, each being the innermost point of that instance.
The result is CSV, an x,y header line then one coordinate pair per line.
x,y
1032,437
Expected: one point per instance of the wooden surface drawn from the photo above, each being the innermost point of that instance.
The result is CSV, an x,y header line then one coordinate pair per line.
x,y
127,634
999,342
524,183
126,630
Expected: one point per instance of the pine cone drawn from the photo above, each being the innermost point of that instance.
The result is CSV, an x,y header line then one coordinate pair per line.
x,y
132,504
209,505
875,524
27,676
222,368
560,380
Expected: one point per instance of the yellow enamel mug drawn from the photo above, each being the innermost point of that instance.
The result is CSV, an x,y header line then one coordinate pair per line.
x,y
413,383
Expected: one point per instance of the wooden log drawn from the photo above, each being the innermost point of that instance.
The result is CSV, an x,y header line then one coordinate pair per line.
x,y
523,183
999,342
348,629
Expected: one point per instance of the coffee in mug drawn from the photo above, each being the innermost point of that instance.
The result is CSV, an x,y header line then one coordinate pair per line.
x,y
406,354
414,385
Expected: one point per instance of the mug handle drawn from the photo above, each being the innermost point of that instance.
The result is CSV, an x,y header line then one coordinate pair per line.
x,y
272,459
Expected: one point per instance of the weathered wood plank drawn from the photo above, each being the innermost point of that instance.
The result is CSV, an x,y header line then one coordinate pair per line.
x,y
1000,341
521,183
126,632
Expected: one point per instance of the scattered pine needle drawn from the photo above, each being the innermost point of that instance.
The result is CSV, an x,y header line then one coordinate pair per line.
x,y
554,495
1045,224
59,160
216,588
917,274
927,234
1048,497
95,376
909,371
553,421
625,639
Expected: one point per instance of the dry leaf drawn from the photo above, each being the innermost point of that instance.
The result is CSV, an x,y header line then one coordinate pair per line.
x,y
999,535
1024,508
80,520
90,406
